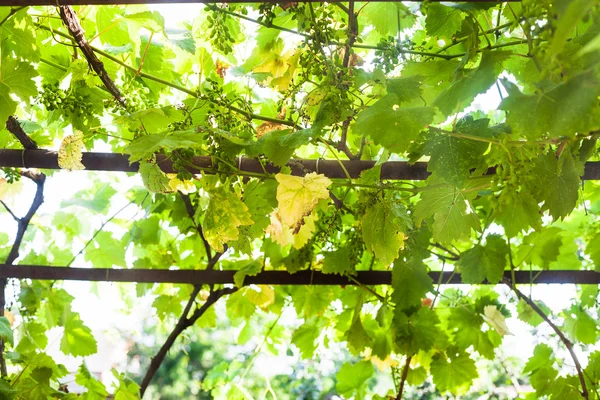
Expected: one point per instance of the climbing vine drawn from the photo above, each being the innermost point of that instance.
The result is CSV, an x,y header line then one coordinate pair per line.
x,y
502,100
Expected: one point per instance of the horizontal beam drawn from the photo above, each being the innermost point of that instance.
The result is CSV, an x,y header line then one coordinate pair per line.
x,y
38,272
105,2
391,170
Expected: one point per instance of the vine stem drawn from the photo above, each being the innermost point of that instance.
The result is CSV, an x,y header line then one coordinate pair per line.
x,y
183,323
167,83
563,338
13,126
403,377
71,21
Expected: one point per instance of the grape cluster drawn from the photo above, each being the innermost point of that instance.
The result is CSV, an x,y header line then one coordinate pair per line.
x,y
387,54
356,245
53,98
181,160
219,32
137,97
267,15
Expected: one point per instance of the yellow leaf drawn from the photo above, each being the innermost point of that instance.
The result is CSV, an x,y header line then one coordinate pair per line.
x,y
277,231
305,232
185,187
155,180
267,127
69,154
495,319
263,298
297,196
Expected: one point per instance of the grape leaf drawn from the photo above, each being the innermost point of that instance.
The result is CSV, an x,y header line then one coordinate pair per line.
x,y
517,212
384,228
462,91
351,377
454,372
534,116
453,218
297,196
495,319
77,338
411,282
6,333
453,158
416,332
392,126
155,180
145,146
223,217
528,314
356,336
580,326
337,262
543,357
558,183
69,154
95,388
593,250
16,78
484,262
442,21
305,339
385,17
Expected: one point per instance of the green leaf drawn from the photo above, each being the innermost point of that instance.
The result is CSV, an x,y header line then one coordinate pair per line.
x,y
16,78
337,262
356,336
462,91
593,250
536,116
351,377
145,146
411,283
453,158
392,126
453,218
106,251
528,314
77,338
155,180
580,326
305,339
416,332
311,301
385,225
385,17
484,262
543,357
567,23
453,372
6,332
517,212
558,183
442,21
405,88
166,305
250,268
95,389
223,217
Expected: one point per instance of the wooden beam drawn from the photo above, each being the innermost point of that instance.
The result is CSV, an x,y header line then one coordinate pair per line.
x,y
107,2
40,272
392,170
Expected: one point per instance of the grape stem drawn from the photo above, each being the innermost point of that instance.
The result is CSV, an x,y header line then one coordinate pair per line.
x,y
562,337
